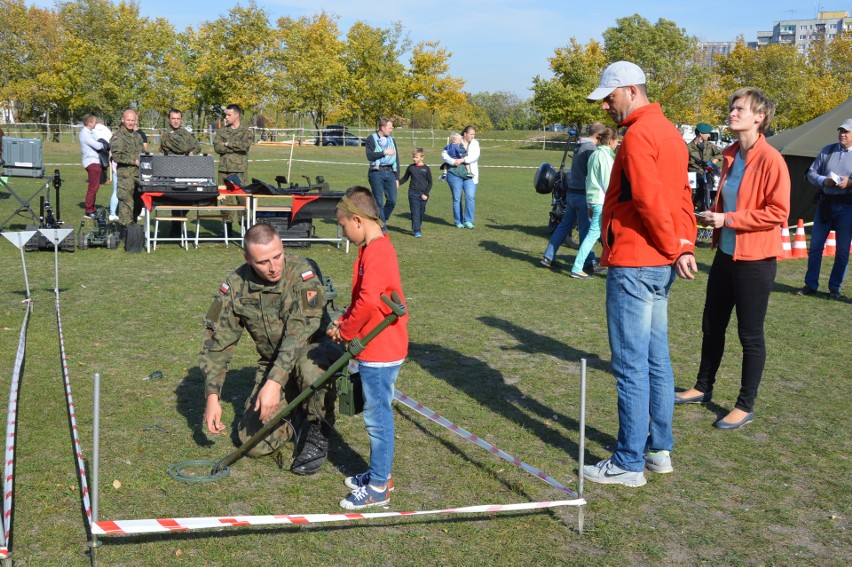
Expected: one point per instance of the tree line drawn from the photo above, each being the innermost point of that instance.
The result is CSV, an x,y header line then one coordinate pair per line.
x,y
102,57
803,85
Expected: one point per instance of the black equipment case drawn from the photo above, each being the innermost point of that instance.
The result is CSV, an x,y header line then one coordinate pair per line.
x,y
176,176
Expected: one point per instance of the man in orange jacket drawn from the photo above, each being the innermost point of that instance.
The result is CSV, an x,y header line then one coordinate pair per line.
x,y
648,235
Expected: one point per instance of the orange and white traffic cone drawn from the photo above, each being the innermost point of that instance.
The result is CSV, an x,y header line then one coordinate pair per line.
x,y
786,247
830,245
800,245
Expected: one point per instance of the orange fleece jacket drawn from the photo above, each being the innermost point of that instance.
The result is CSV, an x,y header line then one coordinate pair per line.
x,y
763,201
648,207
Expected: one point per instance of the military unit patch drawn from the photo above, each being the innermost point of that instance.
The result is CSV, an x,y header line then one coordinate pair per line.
x,y
311,297
224,288
307,275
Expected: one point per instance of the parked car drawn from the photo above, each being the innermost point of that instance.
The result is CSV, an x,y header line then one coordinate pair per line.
x,y
337,135
554,128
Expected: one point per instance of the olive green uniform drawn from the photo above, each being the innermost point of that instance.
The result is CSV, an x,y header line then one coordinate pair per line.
x,y
126,148
179,142
697,156
287,321
232,145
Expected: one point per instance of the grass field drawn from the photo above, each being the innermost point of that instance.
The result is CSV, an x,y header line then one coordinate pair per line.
x,y
496,343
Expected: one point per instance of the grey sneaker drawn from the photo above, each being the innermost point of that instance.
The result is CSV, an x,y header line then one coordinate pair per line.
x,y
607,473
363,479
658,461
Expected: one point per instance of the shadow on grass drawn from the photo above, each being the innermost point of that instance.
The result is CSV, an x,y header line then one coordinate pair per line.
x,y
526,229
189,395
487,386
512,253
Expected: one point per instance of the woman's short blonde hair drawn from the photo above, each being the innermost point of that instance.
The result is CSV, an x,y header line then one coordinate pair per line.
x,y
758,102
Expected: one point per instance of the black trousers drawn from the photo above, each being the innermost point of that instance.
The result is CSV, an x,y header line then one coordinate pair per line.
x,y
418,209
745,285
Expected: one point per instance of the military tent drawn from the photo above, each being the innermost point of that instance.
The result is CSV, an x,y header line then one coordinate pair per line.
x,y
800,146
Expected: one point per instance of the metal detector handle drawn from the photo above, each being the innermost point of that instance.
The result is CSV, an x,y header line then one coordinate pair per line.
x,y
398,310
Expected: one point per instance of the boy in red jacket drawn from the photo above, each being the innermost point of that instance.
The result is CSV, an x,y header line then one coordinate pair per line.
x,y
375,273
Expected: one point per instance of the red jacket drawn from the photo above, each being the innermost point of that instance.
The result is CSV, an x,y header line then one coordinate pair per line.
x,y
376,272
763,201
648,207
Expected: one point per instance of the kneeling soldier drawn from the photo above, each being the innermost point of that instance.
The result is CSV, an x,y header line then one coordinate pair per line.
x,y
279,299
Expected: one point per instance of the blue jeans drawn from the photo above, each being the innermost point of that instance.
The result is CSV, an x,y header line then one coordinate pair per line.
x,y
418,209
378,384
575,211
592,235
383,186
840,221
457,187
637,321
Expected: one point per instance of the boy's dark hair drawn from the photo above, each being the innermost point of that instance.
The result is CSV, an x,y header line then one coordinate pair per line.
x,y
362,198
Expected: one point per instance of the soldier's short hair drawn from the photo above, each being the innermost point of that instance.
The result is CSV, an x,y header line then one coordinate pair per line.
x,y
175,111
362,198
235,108
261,233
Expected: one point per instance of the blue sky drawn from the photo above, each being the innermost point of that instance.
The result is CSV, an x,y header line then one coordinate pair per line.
x,y
500,45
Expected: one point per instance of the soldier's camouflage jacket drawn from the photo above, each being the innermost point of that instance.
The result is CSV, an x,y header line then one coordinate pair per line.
x,y
282,318
232,145
179,142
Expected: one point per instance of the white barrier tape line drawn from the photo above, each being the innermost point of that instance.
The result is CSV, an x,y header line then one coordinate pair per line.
x,y
122,527
359,164
11,432
78,451
429,414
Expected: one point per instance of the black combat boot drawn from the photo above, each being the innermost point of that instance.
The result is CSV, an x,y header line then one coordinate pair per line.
x,y
314,451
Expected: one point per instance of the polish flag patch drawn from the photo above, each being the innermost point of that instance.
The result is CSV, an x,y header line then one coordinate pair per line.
x,y
307,275
224,288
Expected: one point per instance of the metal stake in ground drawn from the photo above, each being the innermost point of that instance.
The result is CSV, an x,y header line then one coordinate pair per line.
x,y
19,239
56,235
582,449
220,469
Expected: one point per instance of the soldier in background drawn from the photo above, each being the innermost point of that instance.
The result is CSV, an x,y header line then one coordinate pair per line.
x,y
280,300
178,140
126,149
232,143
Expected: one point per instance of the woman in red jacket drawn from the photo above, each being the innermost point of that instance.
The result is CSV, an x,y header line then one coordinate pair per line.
x,y
754,201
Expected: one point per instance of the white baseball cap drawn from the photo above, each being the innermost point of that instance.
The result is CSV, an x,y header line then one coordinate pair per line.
x,y
847,125
618,74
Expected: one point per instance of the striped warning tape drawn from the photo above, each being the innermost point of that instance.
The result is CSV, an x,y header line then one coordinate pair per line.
x,y
329,162
444,422
11,430
121,527
78,451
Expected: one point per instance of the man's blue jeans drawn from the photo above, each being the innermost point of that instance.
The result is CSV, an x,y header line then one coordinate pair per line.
x,y
377,383
637,321
840,221
383,186
459,186
575,211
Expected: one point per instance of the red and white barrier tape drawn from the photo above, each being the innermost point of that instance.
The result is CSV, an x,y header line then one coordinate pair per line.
x,y
11,430
78,451
444,422
120,527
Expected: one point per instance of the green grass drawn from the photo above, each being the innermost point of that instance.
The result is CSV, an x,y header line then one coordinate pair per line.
x,y
495,347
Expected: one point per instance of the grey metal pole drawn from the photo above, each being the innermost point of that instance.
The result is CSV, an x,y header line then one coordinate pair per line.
x,y
581,459
24,263
96,459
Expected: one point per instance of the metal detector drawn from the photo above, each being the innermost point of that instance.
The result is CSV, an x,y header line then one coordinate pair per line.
x,y
221,468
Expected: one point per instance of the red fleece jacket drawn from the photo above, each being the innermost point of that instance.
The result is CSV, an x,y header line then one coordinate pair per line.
x,y
376,272
648,206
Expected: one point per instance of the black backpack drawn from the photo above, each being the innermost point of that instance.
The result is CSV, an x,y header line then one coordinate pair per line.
x,y
135,239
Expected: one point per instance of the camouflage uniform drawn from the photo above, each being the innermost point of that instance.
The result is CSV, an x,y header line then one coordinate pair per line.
x,y
126,148
287,321
697,156
232,145
180,142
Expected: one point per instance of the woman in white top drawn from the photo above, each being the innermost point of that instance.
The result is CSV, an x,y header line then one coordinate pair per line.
x,y
460,186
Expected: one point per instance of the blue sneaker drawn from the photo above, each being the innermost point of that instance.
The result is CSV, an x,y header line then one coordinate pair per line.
x,y
365,497
363,479
417,234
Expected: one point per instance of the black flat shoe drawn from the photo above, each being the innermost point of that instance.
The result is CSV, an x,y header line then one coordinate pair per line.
x,y
806,291
722,424
699,399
